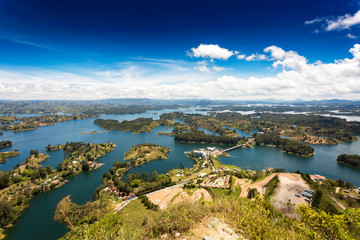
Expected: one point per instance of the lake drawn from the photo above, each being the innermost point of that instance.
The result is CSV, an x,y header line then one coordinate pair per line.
x,y
37,221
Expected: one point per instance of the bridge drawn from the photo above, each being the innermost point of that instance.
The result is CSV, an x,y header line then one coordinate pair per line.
x,y
232,148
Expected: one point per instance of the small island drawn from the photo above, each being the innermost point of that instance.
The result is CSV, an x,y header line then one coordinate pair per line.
x,y
6,143
143,153
93,132
351,160
55,147
5,155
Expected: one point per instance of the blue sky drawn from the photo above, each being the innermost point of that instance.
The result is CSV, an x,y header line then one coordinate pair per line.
x,y
179,49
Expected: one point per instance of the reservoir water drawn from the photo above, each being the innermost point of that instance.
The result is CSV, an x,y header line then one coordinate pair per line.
x,y
37,221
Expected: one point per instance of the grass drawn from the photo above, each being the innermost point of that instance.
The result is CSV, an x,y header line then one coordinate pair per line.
x,y
217,164
271,186
135,213
219,192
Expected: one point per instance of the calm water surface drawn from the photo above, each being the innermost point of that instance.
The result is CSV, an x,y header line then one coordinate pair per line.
x,y
37,221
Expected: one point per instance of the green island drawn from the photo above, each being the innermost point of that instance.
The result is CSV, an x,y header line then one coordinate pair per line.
x,y
18,186
146,152
5,155
138,125
5,143
287,145
31,123
93,132
55,147
191,202
351,160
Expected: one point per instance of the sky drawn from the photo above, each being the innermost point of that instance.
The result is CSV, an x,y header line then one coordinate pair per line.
x,y
226,50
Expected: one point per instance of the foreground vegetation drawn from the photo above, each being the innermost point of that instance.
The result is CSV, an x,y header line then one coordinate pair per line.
x,y
251,219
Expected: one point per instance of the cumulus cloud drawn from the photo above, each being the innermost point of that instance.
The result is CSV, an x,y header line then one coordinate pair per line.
x,y
212,51
256,57
297,79
337,23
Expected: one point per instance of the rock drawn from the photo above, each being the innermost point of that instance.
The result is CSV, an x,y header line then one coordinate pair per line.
x,y
211,238
164,236
228,231
177,234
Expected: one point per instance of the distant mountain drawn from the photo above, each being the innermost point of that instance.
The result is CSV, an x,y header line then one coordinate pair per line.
x,y
331,102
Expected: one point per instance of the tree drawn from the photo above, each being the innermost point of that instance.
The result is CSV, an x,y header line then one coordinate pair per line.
x,y
49,169
34,152
145,176
317,198
7,213
59,167
154,176
252,193
349,185
340,182
4,180
85,166
42,172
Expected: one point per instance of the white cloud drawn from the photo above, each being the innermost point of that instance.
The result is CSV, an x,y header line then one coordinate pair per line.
x,y
240,56
349,35
202,68
218,69
316,20
298,78
256,57
338,23
288,60
212,51
343,22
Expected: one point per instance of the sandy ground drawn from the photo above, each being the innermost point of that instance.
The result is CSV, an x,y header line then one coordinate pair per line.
x,y
240,181
284,199
196,196
258,185
165,196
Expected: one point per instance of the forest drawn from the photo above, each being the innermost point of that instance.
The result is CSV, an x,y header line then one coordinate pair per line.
x,y
138,125
287,145
352,160
201,137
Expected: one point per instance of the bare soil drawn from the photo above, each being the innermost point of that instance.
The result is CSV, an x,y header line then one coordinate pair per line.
x,y
284,199
260,186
